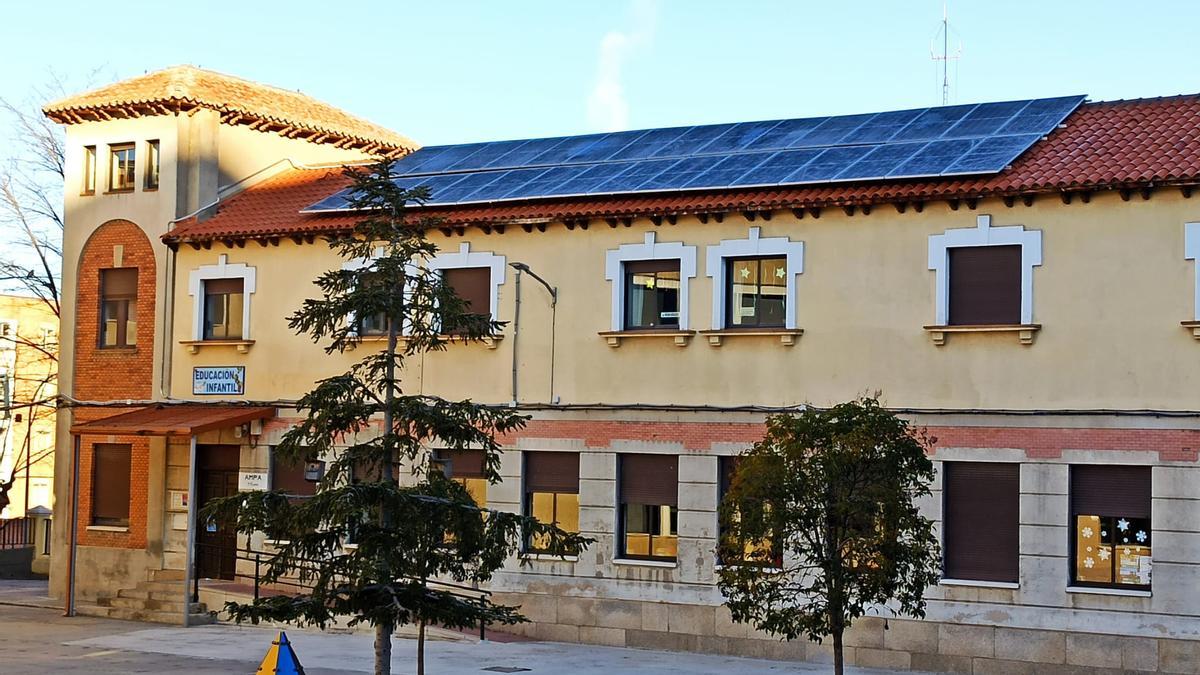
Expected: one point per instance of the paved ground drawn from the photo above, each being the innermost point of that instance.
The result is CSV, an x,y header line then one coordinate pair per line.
x,y
31,593
40,640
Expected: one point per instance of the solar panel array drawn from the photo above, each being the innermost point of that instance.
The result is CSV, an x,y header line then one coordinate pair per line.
x,y
945,141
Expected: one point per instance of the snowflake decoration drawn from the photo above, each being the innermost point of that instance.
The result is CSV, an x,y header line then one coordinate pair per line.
x,y
1087,533
1128,551
1141,536
1089,549
1104,554
1089,563
1103,533
1122,525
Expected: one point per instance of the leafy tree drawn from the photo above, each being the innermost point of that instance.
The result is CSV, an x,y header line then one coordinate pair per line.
x,y
410,538
832,491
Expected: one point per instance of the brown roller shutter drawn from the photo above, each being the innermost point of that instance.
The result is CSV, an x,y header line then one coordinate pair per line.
x,y
650,479
552,472
982,520
464,463
120,282
290,478
110,484
222,286
650,266
985,285
726,467
472,284
1100,490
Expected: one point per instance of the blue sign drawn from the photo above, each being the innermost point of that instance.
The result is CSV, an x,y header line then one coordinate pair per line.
x,y
219,380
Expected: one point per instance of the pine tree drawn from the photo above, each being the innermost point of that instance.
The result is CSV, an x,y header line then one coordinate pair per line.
x,y
416,533
820,523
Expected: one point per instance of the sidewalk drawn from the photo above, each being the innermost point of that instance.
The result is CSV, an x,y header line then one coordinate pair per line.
x,y
27,593
352,653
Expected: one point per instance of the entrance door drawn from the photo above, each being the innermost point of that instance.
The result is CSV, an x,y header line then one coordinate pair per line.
x,y
216,546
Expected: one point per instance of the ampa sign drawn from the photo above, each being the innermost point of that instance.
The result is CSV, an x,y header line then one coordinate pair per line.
x,y
219,380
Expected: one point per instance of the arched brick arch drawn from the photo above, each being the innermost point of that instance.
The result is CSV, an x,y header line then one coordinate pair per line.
x,y
114,373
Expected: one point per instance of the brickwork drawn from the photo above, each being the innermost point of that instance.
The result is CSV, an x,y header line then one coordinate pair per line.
x,y
114,374
1037,442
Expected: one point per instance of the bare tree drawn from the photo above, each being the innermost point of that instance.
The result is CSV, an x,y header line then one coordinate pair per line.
x,y
31,223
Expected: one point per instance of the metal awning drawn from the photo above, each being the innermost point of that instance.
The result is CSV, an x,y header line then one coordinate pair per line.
x,y
174,420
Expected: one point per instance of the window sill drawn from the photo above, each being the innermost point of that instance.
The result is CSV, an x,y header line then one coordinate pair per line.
x,y
763,569
787,336
107,528
1109,591
491,341
1193,326
628,562
546,557
1008,585
194,346
117,350
1024,331
614,337
119,191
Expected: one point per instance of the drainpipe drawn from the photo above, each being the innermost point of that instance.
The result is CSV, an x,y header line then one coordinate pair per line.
x,y
516,334
74,525
189,567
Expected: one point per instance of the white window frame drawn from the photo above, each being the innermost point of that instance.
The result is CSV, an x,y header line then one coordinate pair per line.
x,y
222,270
1191,251
753,246
983,234
464,258
649,249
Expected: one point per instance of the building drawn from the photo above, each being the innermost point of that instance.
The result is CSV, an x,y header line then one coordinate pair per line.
x,y
28,385
1032,301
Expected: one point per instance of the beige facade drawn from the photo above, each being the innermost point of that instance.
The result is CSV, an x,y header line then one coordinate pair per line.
x,y
28,380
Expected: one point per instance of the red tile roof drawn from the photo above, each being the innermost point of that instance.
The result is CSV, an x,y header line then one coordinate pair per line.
x,y
1102,146
182,88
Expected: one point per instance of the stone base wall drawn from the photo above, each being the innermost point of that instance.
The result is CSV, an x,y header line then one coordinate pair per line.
x,y
872,642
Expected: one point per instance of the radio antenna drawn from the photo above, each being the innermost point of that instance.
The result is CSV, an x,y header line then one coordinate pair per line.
x,y
943,36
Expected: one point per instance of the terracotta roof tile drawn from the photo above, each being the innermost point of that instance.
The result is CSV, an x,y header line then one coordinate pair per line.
x,y
1108,145
239,101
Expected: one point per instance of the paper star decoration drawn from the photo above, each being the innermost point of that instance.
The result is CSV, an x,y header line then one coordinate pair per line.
x,y
1122,524
779,272
745,272
1104,554
1141,536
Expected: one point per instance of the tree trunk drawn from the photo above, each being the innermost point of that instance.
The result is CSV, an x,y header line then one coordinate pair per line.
x,y
838,663
383,649
421,647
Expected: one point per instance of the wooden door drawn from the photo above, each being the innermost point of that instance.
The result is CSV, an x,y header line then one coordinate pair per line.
x,y
216,546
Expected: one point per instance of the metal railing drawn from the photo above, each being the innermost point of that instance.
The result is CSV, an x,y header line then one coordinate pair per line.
x,y
17,533
262,559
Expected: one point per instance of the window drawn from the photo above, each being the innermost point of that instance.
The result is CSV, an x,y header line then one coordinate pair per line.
x,y
985,285
1110,513
223,300
756,292
294,478
375,324
651,294
118,307
466,467
152,161
110,484
552,491
981,509
752,552
649,493
474,286
89,170
121,170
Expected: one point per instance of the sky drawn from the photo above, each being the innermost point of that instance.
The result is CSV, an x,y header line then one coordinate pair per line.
x,y
451,72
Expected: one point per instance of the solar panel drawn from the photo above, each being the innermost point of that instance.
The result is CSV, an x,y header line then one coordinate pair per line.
x,y
924,142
